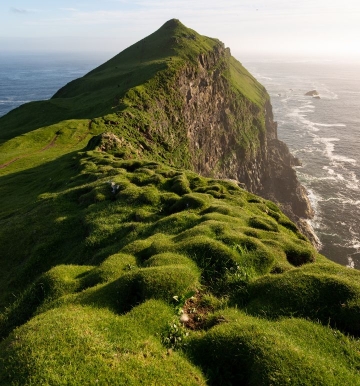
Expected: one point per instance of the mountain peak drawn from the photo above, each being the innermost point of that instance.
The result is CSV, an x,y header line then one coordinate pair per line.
x,y
172,23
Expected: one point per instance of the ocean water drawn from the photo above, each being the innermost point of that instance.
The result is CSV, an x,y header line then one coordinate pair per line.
x,y
31,77
323,133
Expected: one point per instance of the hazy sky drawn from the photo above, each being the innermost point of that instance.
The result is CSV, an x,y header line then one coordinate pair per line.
x,y
301,27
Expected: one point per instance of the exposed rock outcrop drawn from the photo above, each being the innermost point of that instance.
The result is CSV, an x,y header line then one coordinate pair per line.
x,y
219,121
313,93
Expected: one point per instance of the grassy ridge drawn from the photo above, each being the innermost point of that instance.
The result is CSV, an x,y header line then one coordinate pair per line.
x,y
136,96
121,266
150,236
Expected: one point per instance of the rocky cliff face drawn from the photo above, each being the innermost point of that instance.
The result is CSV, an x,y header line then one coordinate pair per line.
x,y
231,137
203,111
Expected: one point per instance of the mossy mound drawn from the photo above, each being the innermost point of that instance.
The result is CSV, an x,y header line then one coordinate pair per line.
x,y
243,350
171,262
82,345
316,294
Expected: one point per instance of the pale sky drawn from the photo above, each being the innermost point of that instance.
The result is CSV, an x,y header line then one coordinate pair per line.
x,y
289,27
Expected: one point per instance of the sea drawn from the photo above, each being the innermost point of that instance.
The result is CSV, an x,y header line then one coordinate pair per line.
x,y
323,132
30,77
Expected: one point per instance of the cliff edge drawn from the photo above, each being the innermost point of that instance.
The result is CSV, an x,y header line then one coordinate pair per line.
x,y
199,109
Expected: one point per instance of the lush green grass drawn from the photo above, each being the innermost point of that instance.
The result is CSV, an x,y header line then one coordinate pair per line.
x,y
105,243
315,293
242,350
148,233
136,95
83,345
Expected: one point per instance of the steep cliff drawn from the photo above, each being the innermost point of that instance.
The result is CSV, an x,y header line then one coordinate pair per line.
x,y
204,111
180,97
228,137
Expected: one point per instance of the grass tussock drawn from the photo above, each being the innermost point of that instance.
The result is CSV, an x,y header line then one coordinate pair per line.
x,y
131,250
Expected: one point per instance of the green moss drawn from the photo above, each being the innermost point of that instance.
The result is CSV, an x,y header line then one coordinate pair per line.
x,y
59,281
177,222
299,253
213,257
246,350
330,299
164,282
103,347
112,268
180,185
191,201
169,258
263,223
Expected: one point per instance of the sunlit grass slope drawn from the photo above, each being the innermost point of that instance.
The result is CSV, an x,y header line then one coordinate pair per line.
x,y
135,95
120,266
109,257
100,92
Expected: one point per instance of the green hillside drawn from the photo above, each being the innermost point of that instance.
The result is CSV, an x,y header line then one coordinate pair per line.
x,y
122,265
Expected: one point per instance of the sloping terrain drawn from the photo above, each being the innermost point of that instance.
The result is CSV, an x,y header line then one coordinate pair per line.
x,y
129,258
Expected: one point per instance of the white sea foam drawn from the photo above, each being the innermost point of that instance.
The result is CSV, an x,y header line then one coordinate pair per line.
x,y
328,94
12,101
351,263
299,115
353,182
316,222
332,173
287,98
354,243
342,158
352,202
329,150
259,76
307,109
330,124
343,201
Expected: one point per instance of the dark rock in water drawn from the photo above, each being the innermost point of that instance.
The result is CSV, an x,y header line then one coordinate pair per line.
x,y
312,93
296,162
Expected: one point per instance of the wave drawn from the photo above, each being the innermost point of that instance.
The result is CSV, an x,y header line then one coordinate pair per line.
x,y
328,94
342,201
351,262
13,101
354,244
314,198
353,183
329,150
343,159
264,77
335,175
330,124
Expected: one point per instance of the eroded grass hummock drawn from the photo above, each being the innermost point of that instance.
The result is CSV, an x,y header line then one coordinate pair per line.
x,y
159,262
